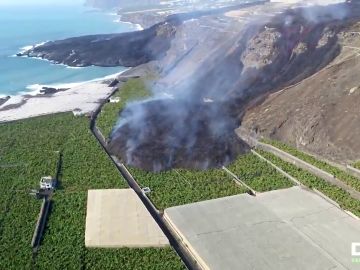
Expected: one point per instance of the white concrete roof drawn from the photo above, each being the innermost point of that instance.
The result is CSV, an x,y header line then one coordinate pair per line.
x,y
118,218
284,229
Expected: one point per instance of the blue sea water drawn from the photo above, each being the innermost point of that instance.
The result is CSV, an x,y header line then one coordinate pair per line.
x,y
29,25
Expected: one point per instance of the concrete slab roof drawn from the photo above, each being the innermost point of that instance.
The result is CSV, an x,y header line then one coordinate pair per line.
x,y
284,229
117,218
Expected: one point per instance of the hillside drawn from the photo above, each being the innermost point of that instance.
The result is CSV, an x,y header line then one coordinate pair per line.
x,y
212,66
231,65
320,114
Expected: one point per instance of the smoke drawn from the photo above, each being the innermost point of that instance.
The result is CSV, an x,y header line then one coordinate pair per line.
x,y
204,90
187,124
166,133
324,10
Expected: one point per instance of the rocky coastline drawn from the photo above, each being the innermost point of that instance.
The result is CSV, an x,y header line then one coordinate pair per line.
x,y
4,99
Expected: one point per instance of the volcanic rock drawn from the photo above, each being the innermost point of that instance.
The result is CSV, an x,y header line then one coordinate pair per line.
x,y
4,99
51,90
166,137
125,49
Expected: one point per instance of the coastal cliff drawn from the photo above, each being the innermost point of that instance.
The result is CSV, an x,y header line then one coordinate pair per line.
x,y
125,49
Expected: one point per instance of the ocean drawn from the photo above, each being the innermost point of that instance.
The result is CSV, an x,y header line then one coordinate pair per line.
x,y
24,26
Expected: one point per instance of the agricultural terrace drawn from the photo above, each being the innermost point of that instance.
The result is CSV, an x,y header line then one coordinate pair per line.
x,y
133,89
338,173
28,152
335,193
258,174
177,186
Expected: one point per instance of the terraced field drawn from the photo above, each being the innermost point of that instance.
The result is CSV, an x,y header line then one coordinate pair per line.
x,y
27,154
338,173
335,193
177,187
258,174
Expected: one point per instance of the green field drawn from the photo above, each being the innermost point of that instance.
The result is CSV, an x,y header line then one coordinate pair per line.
x,y
258,174
340,174
357,165
335,193
18,209
133,89
177,187
137,259
27,152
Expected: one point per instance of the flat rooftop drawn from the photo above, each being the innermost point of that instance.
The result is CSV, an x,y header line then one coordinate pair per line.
x,y
284,229
117,218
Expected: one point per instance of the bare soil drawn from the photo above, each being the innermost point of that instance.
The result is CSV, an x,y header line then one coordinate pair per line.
x,y
320,114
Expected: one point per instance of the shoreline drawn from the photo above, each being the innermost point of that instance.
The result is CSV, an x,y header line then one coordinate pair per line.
x,y
82,96
34,90
138,27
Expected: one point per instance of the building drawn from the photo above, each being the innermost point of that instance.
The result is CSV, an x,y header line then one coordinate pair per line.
x,y
117,218
284,229
114,100
47,182
78,112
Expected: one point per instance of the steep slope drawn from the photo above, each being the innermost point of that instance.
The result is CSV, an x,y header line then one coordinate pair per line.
x,y
213,78
322,113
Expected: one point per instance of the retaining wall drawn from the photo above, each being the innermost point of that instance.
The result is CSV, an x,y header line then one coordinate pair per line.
x,y
292,179
353,171
40,224
308,167
234,176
